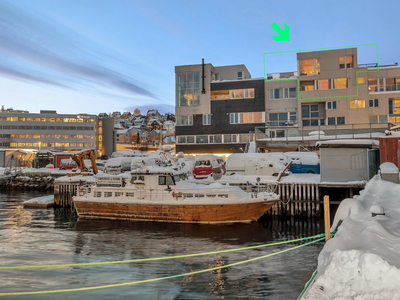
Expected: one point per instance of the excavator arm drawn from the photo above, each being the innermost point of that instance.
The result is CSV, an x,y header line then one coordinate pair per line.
x,y
79,158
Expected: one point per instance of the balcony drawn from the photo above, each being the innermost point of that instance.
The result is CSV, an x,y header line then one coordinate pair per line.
x,y
375,65
382,89
283,75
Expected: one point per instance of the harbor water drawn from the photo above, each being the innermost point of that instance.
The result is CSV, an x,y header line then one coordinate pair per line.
x,y
52,236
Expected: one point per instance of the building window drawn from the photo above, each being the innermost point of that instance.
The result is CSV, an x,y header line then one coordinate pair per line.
x,y
374,103
206,119
181,139
184,120
282,93
357,103
188,89
346,62
382,119
324,84
307,85
239,75
310,115
190,139
331,121
372,84
373,119
361,80
282,119
201,139
250,117
340,121
232,94
331,105
309,66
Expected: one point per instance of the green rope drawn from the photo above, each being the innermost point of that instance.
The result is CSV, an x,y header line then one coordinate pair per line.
x,y
160,258
160,278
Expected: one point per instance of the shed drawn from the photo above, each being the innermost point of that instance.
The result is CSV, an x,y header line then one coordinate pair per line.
x,y
348,160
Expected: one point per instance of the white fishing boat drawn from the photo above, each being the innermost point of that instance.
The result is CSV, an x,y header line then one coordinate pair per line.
x,y
165,195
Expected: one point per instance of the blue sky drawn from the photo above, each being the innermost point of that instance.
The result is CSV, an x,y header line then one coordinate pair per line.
x,y
95,56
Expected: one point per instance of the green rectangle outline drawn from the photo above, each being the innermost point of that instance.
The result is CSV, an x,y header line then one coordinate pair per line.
x,y
315,49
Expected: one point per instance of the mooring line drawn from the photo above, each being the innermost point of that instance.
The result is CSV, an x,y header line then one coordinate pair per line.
x,y
160,278
161,258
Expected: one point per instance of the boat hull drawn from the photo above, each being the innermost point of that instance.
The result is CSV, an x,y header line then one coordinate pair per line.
x,y
210,214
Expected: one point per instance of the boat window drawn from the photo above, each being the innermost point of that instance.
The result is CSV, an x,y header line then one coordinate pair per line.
x,y
161,180
177,178
107,194
118,194
128,194
97,194
135,177
170,180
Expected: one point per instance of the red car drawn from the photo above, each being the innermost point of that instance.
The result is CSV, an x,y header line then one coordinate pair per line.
x,y
205,164
67,164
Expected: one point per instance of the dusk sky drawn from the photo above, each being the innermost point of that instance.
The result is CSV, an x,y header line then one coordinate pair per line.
x,y
92,56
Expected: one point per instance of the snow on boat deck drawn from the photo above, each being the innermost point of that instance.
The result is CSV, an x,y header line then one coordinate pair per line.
x,y
40,202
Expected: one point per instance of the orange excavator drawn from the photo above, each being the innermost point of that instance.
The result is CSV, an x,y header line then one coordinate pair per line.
x,y
79,158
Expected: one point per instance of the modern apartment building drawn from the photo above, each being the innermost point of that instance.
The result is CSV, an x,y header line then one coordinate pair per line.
x,y
216,108
330,90
58,132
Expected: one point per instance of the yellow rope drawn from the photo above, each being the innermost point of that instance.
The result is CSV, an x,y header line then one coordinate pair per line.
x,y
157,279
161,258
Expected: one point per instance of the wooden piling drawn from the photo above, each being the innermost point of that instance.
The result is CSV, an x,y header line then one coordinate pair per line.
x,y
327,219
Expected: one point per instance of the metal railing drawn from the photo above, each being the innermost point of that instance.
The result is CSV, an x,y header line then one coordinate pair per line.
x,y
321,132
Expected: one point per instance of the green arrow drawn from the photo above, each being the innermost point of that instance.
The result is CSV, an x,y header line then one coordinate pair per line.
x,y
284,35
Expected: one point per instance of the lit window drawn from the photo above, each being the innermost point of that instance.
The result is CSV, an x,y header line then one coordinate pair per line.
x,y
309,66
346,62
307,85
361,80
357,103
372,84
251,117
188,89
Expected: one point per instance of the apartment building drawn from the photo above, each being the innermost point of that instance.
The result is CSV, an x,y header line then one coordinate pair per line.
x,y
216,108
57,132
330,90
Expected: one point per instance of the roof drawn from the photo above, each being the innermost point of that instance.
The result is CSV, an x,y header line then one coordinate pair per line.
x,y
348,143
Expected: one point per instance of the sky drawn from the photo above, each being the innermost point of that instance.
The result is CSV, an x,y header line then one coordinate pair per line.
x,y
93,56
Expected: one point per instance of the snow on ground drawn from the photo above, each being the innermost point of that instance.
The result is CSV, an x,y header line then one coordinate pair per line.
x,y
41,200
362,261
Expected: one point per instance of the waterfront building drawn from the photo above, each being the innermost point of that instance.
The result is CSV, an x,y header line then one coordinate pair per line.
x,y
329,93
216,108
48,130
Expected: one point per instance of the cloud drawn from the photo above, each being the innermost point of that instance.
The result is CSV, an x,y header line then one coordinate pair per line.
x,y
9,72
28,39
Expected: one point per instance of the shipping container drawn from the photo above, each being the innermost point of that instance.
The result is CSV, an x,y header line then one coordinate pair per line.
x,y
389,149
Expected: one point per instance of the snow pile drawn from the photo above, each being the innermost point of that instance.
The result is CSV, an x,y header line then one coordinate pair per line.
x,y
362,261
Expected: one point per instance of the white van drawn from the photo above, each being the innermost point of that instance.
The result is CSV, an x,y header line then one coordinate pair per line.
x,y
253,164
118,165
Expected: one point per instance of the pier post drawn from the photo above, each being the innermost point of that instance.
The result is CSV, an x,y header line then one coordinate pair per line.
x,y
327,219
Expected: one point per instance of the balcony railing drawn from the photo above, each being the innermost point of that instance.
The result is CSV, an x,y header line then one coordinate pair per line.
x,y
387,88
375,65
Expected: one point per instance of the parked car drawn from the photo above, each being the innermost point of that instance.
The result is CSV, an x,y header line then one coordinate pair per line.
x,y
304,162
206,165
100,165
254,164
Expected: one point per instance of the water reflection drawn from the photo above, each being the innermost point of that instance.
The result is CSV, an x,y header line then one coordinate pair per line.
x,y
57,236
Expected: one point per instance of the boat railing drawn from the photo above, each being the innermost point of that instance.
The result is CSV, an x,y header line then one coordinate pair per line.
x,y
170,194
